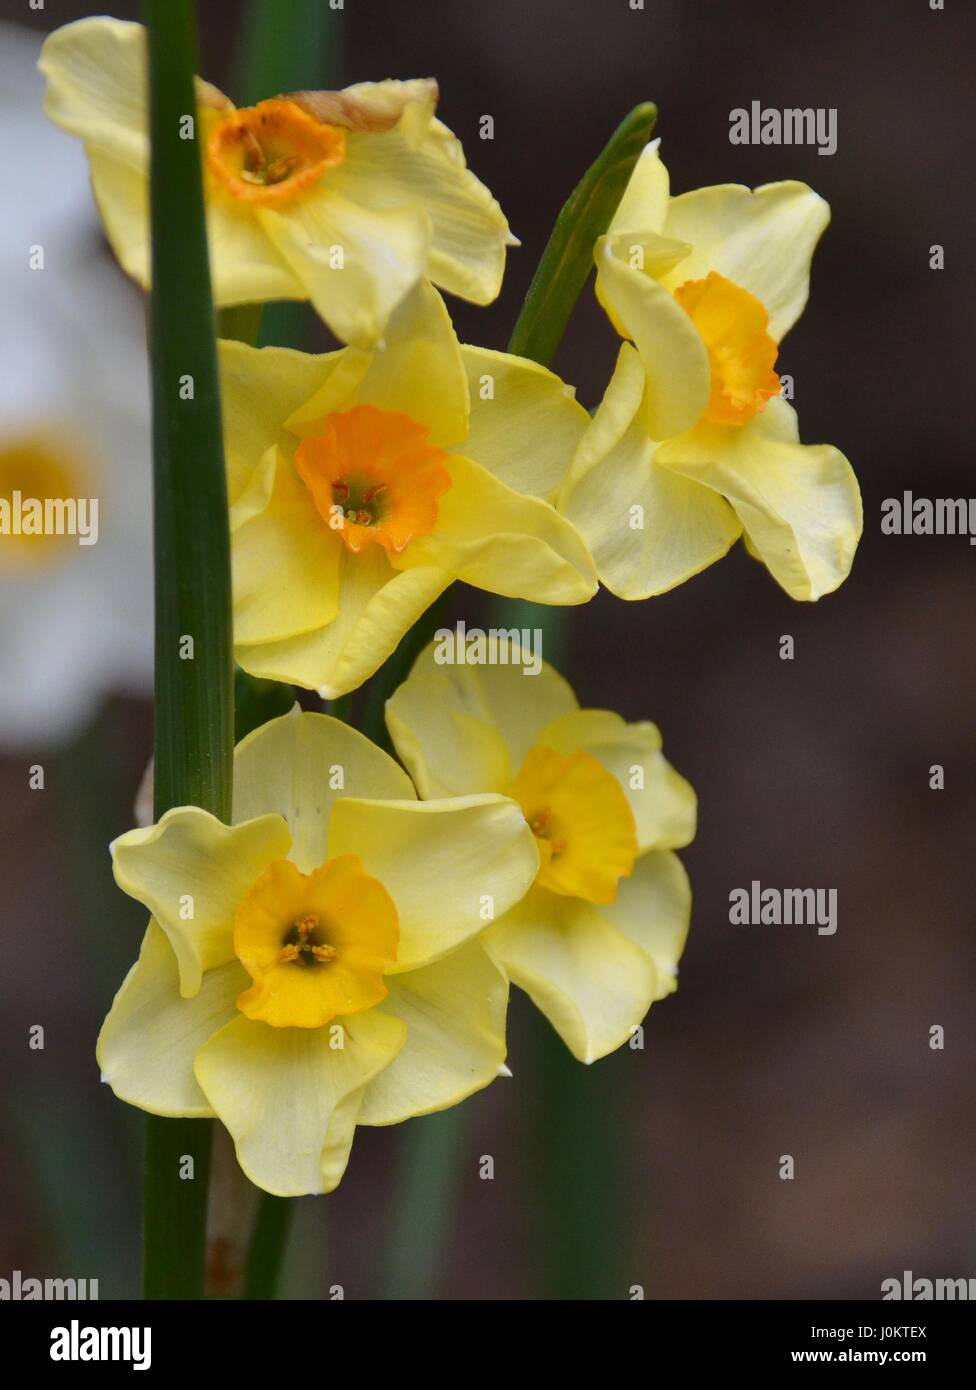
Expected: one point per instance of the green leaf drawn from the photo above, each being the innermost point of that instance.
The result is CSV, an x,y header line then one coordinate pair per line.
x,y
568,257
194,668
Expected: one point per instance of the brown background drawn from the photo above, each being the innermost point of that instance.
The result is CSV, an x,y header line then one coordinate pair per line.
x,y
657,1167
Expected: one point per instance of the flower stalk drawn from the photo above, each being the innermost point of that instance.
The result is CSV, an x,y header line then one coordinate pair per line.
x,y
194,710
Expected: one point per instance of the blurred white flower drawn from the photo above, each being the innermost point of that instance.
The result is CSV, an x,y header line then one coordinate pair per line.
x,y
75,620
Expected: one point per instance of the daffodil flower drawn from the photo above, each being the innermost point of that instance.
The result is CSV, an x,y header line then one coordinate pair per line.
x,y
598,937
316,964
692,446
344,198
363,483
75,619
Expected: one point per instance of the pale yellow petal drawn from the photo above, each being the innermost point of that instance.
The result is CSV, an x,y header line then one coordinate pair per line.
x,y
285,558
454,1011
450,866
377,606
299,765
526,423
260,388
762,240
644,205
355,264
421,162
462,729
96,85
592,983
675,359
191,871
653,909
416,369
495,538
647,529
663,803
800,504
289,1096
151,1036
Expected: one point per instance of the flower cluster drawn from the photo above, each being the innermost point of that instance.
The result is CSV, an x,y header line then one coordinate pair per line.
x,y
342,952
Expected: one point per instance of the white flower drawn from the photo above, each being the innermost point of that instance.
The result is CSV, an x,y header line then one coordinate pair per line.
x,y
75,620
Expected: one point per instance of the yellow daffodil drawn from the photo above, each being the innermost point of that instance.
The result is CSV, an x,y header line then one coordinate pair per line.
x,y
344,198
363,483
598,937
316,964
693,446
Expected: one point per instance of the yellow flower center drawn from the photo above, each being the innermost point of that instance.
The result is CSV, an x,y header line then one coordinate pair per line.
x,y
582,823
733,324
42,471
374,477
268,154
316,945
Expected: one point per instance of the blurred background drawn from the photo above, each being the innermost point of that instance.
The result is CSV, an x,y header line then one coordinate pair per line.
x,y
660,1167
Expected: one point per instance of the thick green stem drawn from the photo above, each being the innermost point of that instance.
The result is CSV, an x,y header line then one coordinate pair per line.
x,y
568,257
267,1249
194,696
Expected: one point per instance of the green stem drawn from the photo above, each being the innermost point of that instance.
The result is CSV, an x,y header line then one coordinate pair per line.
x,y
194,697
266,1253
568,257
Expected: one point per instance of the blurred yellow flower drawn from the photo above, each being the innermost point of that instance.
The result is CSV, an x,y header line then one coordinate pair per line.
x,y
344,198
598,937
693,446
363,483
316,965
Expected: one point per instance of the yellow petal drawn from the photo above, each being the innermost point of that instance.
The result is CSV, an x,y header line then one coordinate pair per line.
x,y
497,539
298,766
191,871
417,370
644,205
591,982
762,240
285,558
383,255
663,803
674,357
800,504
526,423
377,605
260,388
463,729
289,1096
454,1011
421,162
653,909
96,85
151,1036
647,529
449,866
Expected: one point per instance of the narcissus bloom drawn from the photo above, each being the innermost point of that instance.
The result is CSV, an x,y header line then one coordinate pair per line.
x,y
692,446
315,965
363,483
597,939
344,198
